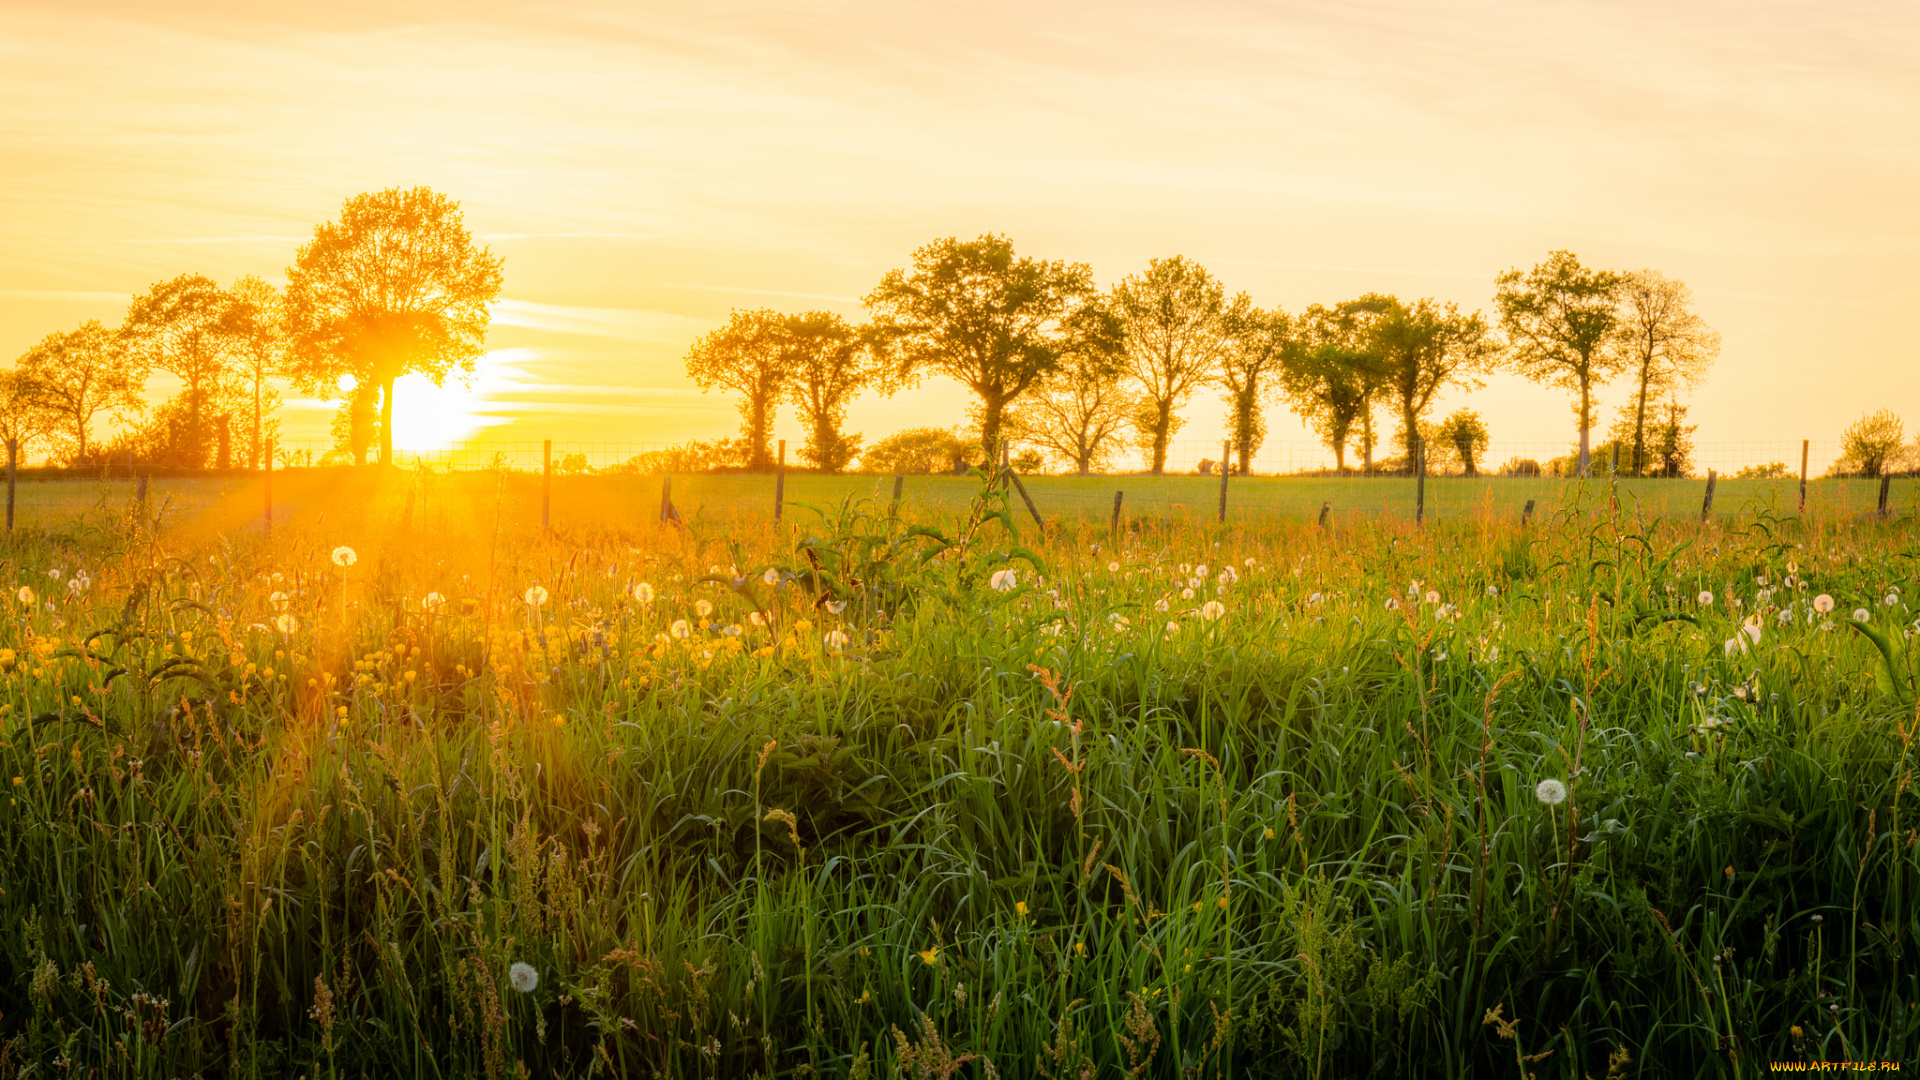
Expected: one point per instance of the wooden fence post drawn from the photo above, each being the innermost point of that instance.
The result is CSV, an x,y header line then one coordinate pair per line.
x,y
1706,504
267,490
1325,509
899,486
1113,526
780,482
13,474
1805,444
1025,498
1420,482
666,498
546,486
1226,466
1886,488
1526,514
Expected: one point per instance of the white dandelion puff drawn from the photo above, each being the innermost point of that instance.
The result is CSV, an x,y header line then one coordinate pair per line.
x,y
286,624
1003,581
836,639
433,601
523,978
1861,615
345,556
702,608
680,629
535,595
1212,609
1160,604
643,592
1432,597
1113,567
1186,594
1705,597
1550,791
771,577
1823,603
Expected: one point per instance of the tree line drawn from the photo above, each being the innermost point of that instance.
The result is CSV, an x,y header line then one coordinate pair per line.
x,y
1084,374
394,286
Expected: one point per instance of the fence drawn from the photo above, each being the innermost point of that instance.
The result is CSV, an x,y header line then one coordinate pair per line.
x,y
1183,456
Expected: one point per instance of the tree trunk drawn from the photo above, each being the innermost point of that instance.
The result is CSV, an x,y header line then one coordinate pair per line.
x,y
1408,418
1586,405
1640,419
386,421
253,451
757,433
1162,420
993,407
1366,442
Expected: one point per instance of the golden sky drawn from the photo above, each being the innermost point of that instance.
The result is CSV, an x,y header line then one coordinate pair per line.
x,y
645,168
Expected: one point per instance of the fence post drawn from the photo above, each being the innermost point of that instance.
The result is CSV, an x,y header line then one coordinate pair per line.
x,y
1325,509
1805,444
1706,504
1113,526
1420,482
666,498
1226,465
1026,498
1526,514
1886,486
780,482
13,474
899,486
267,489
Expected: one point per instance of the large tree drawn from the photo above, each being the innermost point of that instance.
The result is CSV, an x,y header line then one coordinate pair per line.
x,y
1078,411
395,286
751,355
829,361
24,415
1332,374
180,326
1175,318
254,324
1561,318
1257,345
80,375
984,317
1662,342
1424,347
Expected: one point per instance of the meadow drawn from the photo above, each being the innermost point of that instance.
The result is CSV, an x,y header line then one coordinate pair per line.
x,y
413,787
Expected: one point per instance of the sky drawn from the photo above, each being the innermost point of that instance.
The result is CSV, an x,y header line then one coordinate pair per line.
x,y
646,168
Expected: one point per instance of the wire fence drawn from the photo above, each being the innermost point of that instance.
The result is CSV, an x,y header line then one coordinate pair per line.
x,y
1776,458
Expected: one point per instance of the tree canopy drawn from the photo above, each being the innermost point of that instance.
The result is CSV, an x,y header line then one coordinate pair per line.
x,y
1175,319
1332,374
990,320
1662,342
1257,346
751,355
78,375
395,286
828,362
1559,318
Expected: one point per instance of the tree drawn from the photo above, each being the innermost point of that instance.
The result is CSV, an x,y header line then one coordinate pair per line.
x,y
921,450
179,326
254,321
1331,375
1175,320
751,356
1257,344
1422,348
1078,412
828,362
977,314
1466,433
1559,317
1669,438
1871,443
24,414
1662,343
396,286
356,424
80,374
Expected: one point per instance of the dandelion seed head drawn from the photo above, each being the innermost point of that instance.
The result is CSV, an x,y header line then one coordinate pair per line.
x,y
433,601
286,624
680,629
1861,615
771,577
643,592
1003,581
1113,567
1823,603
26,595
1550,791
523,977
1705,597
702,608
836,639
345,556
535,595
1186,593
1212,610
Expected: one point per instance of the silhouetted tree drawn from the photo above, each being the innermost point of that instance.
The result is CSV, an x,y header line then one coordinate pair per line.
x,y
396,286
255,326
1078,411
751,355
996,323
24,414
1871,443
1332,374
1256,347
1662,342
1175,320
828,361
79,375
1466,433
1560,317
179,326
1423,347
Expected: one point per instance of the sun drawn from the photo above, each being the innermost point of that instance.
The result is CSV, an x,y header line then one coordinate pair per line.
x,y
429,418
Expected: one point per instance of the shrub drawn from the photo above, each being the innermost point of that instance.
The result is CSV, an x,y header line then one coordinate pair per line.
x,y
921,450
1872,445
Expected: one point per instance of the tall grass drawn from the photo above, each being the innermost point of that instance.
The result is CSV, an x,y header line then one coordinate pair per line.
x,y
270,815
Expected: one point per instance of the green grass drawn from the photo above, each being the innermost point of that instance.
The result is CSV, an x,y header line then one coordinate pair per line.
x,y
1038,827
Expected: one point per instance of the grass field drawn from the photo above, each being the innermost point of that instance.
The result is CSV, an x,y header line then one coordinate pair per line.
x,y
412,788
